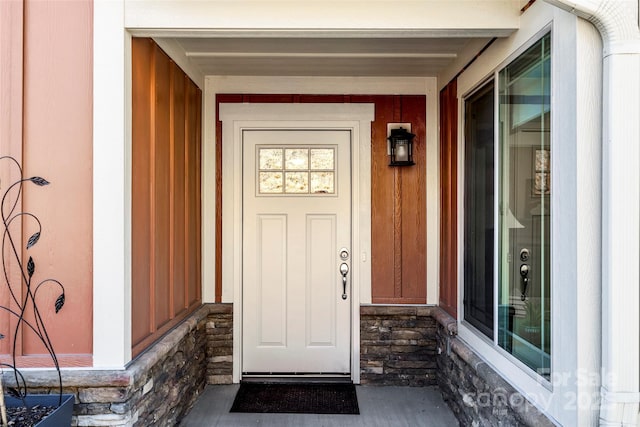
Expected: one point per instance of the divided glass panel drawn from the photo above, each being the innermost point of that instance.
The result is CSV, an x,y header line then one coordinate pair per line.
x,y
271,182
296,158
296,182
296,170
322,158
271,159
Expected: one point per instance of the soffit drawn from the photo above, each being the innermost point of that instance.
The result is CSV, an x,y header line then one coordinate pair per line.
x,y
320,37
318,56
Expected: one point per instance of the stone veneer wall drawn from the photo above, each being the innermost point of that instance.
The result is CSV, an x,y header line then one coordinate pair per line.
x,y
397,345
157,388
476,393
220,344
400,345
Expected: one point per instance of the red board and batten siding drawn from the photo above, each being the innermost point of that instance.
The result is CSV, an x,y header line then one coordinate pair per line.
x,y
46,96
448,198
166,111
398,195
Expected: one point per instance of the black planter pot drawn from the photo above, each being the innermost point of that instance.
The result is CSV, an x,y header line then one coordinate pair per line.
x,y
60,417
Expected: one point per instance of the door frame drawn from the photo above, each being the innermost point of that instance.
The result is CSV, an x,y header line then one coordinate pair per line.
x,y
236,118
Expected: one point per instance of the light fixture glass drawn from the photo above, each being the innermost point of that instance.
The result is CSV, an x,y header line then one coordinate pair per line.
x,y
401,147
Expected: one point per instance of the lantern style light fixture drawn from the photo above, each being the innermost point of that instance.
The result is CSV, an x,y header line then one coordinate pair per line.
x,y
401,147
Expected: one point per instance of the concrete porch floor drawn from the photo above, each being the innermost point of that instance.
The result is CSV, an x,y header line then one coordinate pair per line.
x,y
379,406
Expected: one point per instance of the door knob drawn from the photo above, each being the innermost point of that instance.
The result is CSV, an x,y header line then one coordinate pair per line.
x,y
344,270
524,274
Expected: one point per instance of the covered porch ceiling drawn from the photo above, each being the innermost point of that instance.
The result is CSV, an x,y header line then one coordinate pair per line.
x,y
283,55
355,38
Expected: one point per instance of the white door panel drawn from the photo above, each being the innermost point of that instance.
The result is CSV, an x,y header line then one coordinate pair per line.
x,y
296,217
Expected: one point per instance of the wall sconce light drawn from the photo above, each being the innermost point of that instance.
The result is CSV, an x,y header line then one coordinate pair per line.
x,y
400,144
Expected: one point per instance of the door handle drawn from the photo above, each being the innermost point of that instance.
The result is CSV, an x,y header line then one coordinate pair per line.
x,y
524,274
344,270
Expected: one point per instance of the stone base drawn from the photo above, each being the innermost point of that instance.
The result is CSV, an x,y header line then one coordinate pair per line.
x,y
397,346
400,345
157,388
220,344
476,393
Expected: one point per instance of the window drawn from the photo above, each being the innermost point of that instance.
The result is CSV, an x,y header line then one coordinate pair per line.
x,y
296,170
521,236
479,209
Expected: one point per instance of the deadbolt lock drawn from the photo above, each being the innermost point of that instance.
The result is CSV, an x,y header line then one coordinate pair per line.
x,y
344,254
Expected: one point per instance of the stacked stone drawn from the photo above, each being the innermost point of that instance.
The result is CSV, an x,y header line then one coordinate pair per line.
x,y
220,344
476,393
397,346
171,387
156,389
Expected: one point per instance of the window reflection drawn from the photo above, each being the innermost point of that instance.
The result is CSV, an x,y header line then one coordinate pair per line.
x,y
524,289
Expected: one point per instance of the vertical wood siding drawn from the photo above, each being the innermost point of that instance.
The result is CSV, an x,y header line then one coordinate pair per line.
x,y
398,195
413,202
46,87
193,192
178,188
165,194
448,198
142,76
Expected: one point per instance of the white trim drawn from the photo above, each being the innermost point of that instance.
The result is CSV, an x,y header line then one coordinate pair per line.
x,y
269,18
433,191
208,217
350,55
347,33
239,117
111,187
589,202
320,85
620,384
332,86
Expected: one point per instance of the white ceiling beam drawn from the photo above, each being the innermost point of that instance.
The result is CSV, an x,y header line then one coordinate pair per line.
x,y
405,33
495,17
353,55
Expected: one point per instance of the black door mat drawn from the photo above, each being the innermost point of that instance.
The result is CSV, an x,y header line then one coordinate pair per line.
x,y
319,398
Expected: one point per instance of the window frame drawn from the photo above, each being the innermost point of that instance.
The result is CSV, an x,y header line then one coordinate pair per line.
x,y
478,340
577,193
482,87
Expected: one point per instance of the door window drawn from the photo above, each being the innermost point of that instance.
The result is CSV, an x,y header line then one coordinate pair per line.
x,y
298,170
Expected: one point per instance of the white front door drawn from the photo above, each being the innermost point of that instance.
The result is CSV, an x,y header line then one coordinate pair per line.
x,y
296,221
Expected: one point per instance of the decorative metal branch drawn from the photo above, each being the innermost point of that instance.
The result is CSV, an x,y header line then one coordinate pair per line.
x,y
21,302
